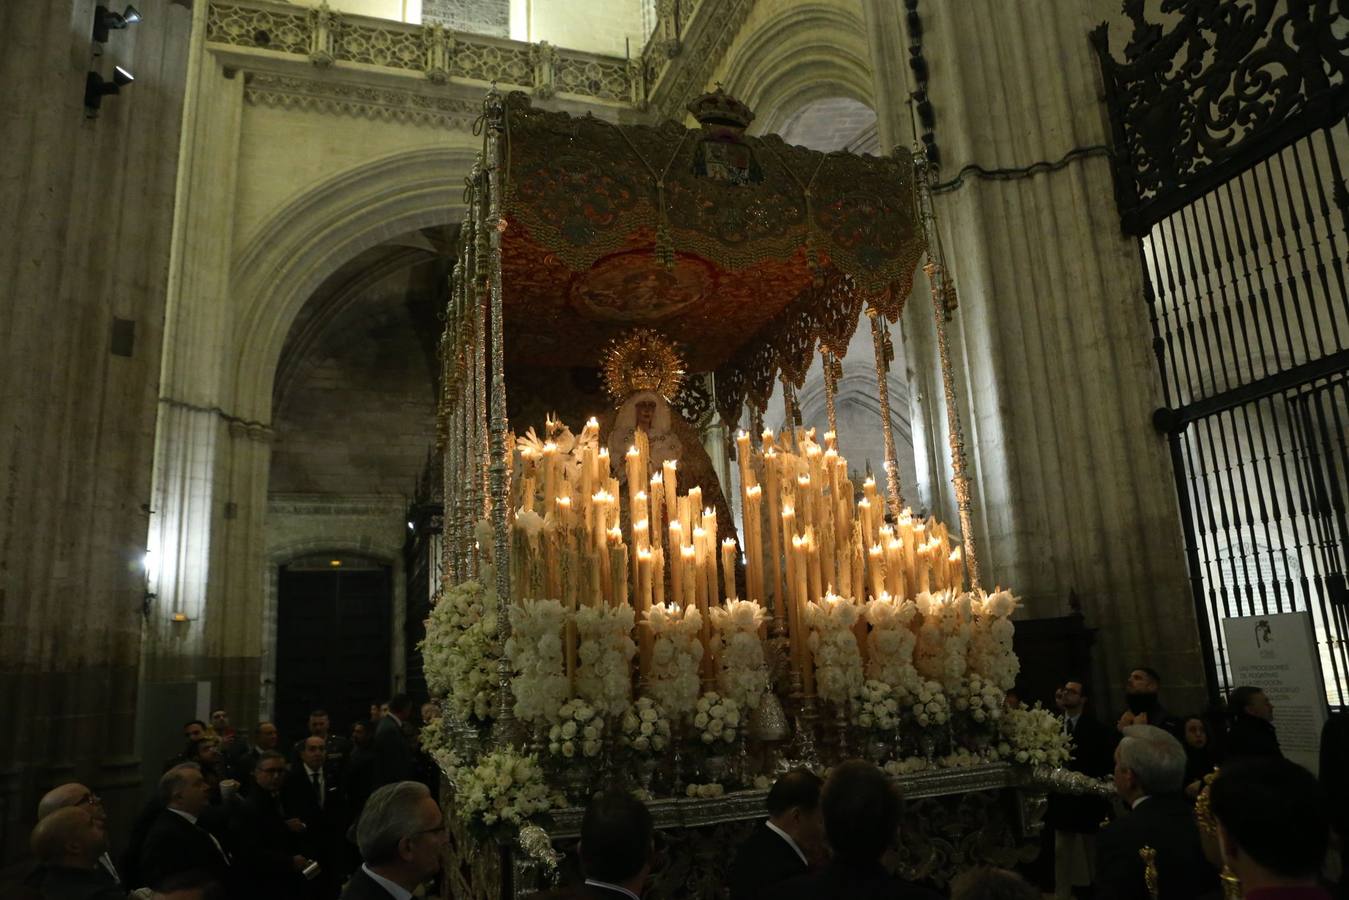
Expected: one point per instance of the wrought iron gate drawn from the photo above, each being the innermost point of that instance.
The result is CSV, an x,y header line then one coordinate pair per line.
x,y
1231,146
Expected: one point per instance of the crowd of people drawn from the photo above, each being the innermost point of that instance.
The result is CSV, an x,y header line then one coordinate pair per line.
x,y
356,817
236,814
1160,763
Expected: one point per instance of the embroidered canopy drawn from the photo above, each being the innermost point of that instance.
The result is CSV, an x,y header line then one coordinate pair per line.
x,y
746,251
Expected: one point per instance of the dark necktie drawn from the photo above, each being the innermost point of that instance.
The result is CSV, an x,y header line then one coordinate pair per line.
x,y
318,789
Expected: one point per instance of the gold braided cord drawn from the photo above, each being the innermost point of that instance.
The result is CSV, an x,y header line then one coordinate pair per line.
x,y
943,302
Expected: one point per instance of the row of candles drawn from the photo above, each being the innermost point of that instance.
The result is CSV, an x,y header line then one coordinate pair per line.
x,y
820,537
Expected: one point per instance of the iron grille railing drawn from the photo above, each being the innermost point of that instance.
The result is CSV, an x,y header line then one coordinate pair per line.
x,y
1231,145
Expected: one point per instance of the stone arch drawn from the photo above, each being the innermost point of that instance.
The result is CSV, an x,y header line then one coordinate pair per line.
x,y
808,52
313,233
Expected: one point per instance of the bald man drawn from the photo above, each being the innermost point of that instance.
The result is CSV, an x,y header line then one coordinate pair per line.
x,y
68,843
76,795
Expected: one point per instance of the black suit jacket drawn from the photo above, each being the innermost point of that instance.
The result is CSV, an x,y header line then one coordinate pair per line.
x,y
362,887
1092,755
838,881
173,845
393,753
1252,737
1166,824
762,862
266,848
60,883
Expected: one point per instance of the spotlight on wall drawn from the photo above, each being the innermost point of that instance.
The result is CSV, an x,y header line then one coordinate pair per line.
x,y
95,88
335,563
105,20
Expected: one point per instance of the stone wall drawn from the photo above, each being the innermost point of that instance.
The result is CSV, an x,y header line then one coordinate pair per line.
x,y
84,251
475,16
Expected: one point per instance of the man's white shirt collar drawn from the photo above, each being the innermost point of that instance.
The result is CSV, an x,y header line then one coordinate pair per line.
x,y
1136,803
595,882
397,891
788,838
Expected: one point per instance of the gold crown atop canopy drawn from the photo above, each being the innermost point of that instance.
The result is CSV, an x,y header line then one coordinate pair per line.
x,y
642,360
720,108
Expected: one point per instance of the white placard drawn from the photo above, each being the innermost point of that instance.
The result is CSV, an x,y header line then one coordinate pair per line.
x,y
1278,655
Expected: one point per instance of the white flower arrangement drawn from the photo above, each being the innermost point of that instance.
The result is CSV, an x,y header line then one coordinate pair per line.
x,y
930,706
743,671
535,651
990,651
459,650
979,698
1034,737
503,789
705,791
433,737
838,662
717,718
645,728
580,729
604,672
676,653
891,644
876,707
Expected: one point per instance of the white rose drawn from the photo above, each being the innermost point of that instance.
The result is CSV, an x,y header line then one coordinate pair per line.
x,y
591,748
568,749
642,744
708,737
569,730
728,735
732,718
649,715
700,720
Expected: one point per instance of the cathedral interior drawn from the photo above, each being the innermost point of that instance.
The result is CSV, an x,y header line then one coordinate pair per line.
x,y
232,229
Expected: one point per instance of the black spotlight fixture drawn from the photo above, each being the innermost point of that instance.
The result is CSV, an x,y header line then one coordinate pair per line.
x,y
106,20
95,88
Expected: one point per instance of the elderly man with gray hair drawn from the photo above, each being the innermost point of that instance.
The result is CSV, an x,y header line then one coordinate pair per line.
x,y
401,836
1149,775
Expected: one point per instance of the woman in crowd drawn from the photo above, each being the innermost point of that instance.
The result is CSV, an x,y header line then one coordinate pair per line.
x,y
1199,757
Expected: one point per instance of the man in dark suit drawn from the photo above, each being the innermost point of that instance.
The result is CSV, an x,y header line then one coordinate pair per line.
x,y
176,840
68,844
616,849
861,808
268,837
1273,828
313,795
402,839
241,758
75,794
1143,704
780,847
1076,819
1149,774
393,751
335,747
1252,730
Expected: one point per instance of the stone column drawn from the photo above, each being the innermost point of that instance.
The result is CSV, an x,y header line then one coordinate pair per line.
x,y
84,245
206,460
1073,487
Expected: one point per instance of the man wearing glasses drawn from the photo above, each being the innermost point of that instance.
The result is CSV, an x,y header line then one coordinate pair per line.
x,y
77,795
268,837
402,837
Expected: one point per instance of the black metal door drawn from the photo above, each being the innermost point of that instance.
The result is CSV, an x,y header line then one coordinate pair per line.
x,y
1231,145
332,645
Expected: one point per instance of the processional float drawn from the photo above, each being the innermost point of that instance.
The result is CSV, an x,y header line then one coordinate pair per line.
x,y
622,605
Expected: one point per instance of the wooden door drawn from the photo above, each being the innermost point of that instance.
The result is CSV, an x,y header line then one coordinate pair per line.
x,y
332,645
